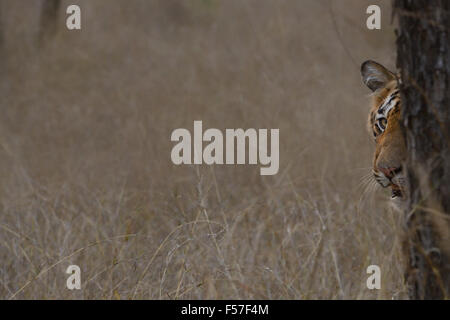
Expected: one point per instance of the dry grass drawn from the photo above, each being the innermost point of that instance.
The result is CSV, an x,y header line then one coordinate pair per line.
x,y
85,170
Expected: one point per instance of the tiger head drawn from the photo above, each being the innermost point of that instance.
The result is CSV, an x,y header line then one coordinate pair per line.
x,y
384,125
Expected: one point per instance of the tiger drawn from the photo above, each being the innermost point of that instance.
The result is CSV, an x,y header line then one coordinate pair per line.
x,y
384,124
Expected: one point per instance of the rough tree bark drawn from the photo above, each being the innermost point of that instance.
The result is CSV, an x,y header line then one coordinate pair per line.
x,y
423,58
1,27
2,41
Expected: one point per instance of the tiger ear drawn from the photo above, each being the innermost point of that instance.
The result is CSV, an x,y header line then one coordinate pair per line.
x,y
375,76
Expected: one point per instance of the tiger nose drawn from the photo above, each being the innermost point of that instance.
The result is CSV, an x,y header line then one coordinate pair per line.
x,y
389,172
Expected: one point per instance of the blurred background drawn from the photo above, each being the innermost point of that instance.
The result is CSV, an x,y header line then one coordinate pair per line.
x,y
85,170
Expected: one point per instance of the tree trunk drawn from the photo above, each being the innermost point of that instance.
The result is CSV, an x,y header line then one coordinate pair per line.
x,y
2,43
2,32
423,58
49,17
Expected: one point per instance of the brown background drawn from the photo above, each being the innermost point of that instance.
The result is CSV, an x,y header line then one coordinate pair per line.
x,y
85,125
